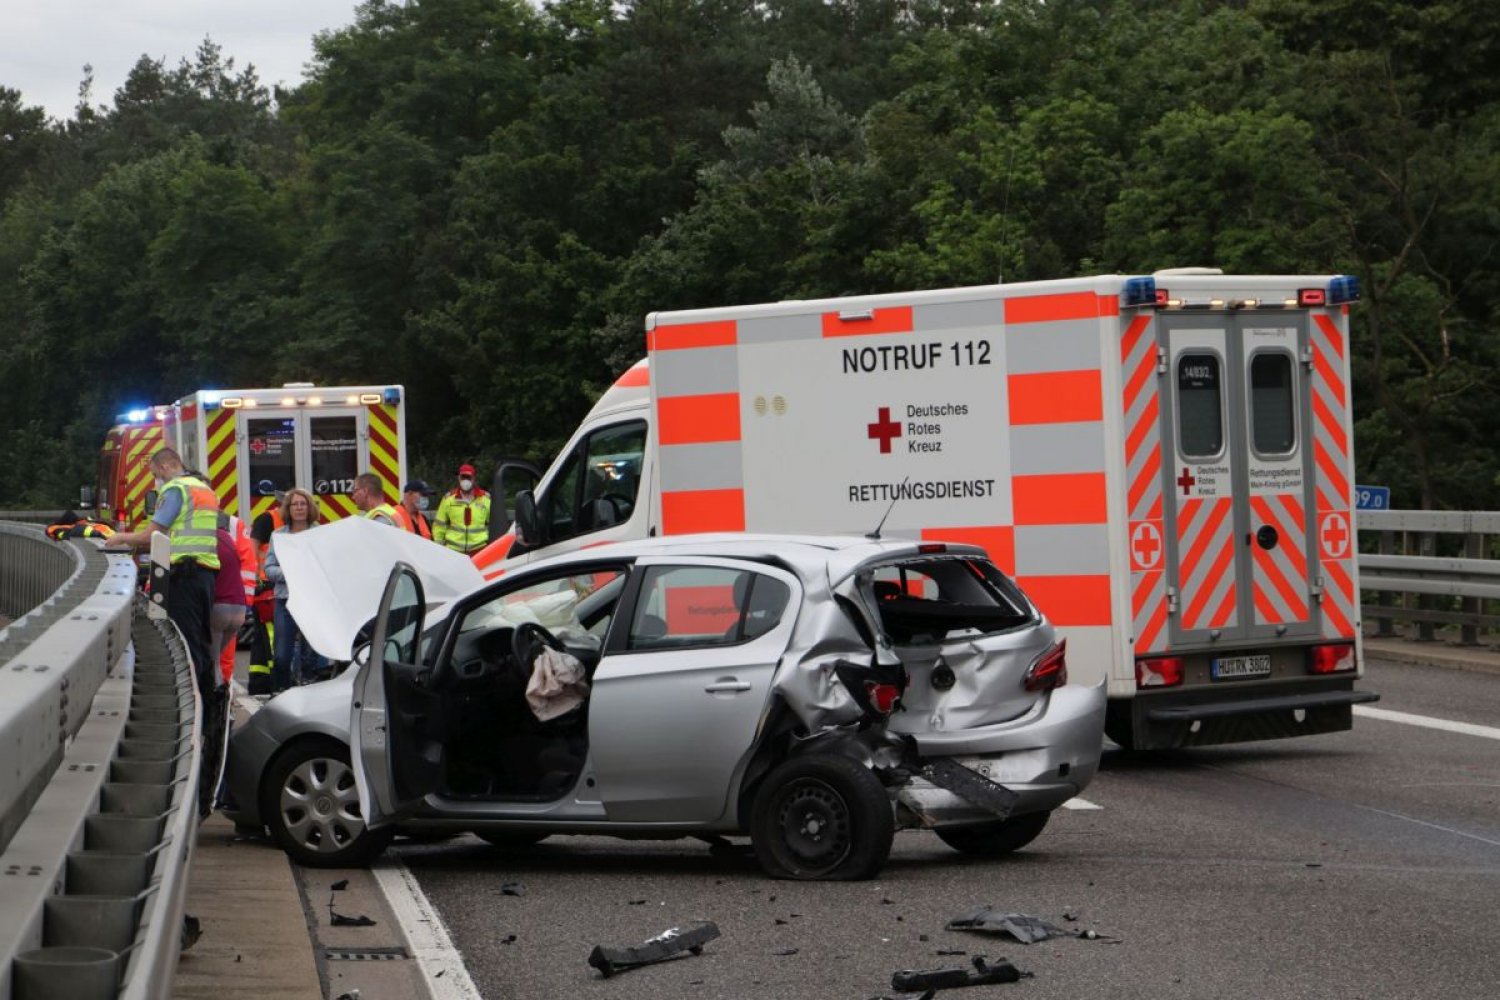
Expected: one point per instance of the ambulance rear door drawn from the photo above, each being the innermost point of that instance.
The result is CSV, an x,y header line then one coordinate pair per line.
x,y
1235,429
320,450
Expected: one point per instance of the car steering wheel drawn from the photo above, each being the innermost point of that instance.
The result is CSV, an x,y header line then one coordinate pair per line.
x,y
526,641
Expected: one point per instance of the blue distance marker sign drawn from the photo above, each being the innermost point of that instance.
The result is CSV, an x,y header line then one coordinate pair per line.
x,y
1372,498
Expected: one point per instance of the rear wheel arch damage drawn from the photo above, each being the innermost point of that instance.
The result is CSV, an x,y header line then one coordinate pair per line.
x,y
310,804
822,816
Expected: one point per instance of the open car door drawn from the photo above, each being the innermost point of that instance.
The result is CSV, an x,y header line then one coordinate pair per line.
x,y
395,720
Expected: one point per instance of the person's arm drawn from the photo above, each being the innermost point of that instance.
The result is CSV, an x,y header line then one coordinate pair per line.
x,y
273,568
167,509
440,521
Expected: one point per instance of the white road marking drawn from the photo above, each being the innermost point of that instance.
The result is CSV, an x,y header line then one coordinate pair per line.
x,y
1077,803
442,964
1427,722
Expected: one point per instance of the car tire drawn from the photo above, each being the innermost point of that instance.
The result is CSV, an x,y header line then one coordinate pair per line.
x,y
510,840
311,806
822,817
991,840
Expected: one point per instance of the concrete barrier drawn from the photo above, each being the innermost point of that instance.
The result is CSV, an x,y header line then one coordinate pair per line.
x,y
99,812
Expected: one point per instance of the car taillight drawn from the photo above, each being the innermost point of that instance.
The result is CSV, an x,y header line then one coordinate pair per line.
x,y
1332,659
1050,670
883,697
1158,672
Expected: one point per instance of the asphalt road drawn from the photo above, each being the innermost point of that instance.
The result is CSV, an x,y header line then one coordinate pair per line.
x,y
1358,865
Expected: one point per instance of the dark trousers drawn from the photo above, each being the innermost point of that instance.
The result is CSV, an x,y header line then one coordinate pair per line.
x,y
190,600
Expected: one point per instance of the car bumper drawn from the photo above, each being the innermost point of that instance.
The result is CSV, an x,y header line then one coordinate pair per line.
x,y
250,751
1045,758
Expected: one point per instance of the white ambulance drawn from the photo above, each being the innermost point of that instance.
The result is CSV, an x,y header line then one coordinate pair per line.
x,y
255,443
1162,462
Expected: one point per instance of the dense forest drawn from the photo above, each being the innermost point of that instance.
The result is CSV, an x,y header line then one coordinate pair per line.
x,y
482,199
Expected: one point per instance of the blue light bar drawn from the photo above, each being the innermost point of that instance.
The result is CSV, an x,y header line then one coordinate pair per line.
x,y
136,416
1344,288
1139,292
392,396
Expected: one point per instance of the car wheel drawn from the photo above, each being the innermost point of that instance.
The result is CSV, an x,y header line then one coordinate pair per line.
x,y
990,840
311,806
822,817
510,840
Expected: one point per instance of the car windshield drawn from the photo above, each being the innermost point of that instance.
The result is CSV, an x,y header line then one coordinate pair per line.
x,y
931,599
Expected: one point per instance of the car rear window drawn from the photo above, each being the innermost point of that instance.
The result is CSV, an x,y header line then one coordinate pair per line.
x,y
931,599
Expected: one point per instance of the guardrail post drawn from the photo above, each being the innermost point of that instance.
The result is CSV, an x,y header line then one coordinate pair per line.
x,y
1427,549
1386,599
1469,632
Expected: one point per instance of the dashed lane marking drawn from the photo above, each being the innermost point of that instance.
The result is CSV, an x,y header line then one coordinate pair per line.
x,y
1427,722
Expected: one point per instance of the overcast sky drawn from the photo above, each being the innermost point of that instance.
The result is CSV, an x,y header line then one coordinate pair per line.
x,y
44,44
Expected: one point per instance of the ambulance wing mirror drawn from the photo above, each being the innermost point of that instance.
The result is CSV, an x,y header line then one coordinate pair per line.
x,y
512,477
150,502
528,531
86,497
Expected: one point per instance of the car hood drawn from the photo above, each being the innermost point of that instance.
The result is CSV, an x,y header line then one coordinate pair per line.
x,y
336,575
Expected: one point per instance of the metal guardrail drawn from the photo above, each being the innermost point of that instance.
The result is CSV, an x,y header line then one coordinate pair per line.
x,y
32,516
98,796
1431,568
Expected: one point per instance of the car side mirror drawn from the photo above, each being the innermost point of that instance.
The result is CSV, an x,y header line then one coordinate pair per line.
x,y
527,528
86,497
150,502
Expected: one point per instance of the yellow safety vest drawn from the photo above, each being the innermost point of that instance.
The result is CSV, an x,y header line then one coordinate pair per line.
x,y
384,510
195,532
463,525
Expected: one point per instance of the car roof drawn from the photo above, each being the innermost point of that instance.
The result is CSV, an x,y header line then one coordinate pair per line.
x,y
837,555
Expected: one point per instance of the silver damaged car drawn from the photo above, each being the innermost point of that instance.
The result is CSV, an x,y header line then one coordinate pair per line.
x,y
814,693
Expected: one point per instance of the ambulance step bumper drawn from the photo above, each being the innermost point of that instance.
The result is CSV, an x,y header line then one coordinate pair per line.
x,y
1323,699
1206,717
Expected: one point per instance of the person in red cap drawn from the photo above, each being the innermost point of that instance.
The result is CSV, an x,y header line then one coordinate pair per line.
x,y
463,516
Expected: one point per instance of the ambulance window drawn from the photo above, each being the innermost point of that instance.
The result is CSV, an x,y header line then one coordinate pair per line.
x,y
685,607
1200,417
335,454
597,487
1271,401
272,446
612,476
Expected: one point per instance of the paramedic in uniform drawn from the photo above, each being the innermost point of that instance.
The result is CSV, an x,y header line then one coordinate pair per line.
x,y
369,496
463,516
188,512
410,514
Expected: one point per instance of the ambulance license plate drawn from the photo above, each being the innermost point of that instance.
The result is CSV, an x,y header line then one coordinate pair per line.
x,y
1233,667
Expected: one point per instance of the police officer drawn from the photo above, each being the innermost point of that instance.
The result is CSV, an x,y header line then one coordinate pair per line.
x,y
188,512
463,516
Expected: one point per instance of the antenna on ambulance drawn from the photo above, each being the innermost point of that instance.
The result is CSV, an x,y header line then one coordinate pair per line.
x,y
876,533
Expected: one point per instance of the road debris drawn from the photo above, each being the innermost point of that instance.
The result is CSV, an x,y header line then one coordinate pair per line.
x,y
984,973
513,889
1020,927
669,944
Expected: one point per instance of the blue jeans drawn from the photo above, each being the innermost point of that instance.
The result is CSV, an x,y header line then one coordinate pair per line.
x,y
293,662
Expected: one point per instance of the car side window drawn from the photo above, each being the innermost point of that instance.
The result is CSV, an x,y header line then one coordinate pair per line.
x,y
691,607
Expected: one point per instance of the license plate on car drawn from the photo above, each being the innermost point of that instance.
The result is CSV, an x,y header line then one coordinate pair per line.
x,y
1233,667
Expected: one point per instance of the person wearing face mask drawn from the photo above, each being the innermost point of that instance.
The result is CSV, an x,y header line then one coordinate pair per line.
x,y
410,514
463,516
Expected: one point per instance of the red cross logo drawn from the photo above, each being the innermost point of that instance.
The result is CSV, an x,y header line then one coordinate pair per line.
x,y
257,445
1334,534
1186,481
1145,545
884,429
